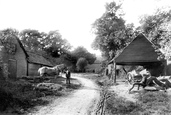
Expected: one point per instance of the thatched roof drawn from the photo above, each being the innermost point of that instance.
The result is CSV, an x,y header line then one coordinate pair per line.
x,y
38,59
139,51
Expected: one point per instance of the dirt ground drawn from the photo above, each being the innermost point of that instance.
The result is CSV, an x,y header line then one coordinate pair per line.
x,y
122,90
81,102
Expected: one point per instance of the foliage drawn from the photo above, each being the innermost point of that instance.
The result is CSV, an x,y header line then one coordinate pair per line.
x,y
7,38
16,94
51,43
69,58
31,40
82,52
158,29
81,64
55,45
111,31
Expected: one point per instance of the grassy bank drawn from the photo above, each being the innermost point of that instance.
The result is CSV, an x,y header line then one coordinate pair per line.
x,y
149,103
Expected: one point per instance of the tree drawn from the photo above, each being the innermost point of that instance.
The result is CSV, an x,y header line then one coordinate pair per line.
x,y
31,40
82,52
7,39
111,31
55,45
81,64
157,28
47,44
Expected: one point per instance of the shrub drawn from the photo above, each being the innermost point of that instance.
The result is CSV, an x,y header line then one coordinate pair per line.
x,y
81,64
16,94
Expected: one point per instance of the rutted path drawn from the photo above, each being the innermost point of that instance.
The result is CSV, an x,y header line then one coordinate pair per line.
x,y
82,102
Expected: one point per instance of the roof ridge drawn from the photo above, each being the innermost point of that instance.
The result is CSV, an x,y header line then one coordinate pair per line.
x,y
125,51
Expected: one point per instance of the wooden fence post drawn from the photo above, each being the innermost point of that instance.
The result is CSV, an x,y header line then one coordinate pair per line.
x,y
115,72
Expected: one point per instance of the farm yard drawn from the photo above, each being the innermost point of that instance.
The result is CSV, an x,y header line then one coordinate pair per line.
x,y
80,62
53,96
116,99
80,102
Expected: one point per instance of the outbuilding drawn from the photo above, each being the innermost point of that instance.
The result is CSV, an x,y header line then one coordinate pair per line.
x,y
16,61
141,52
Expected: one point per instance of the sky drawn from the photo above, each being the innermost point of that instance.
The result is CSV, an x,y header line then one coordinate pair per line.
x,y
72,18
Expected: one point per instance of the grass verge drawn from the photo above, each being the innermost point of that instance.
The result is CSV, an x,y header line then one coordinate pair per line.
x,y
149,103
120,106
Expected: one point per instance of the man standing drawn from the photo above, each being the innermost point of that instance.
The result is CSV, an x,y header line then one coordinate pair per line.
x,y
68,75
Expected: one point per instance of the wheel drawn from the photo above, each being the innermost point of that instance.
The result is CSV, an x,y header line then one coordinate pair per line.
x,y
130,78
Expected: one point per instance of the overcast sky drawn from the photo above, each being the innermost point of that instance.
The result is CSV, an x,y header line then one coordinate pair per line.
x,y
73,18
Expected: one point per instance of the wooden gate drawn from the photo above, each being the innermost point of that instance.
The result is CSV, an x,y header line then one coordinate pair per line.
x,y
12,69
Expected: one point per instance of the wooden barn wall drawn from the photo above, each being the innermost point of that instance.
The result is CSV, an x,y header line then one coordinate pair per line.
x,y
33,69
21,61
168,68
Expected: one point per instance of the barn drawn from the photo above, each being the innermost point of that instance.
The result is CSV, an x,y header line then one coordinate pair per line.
x,y
17,61
141,52
34,62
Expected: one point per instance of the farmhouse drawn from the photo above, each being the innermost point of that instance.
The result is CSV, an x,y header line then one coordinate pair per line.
x,y
17,61
141,52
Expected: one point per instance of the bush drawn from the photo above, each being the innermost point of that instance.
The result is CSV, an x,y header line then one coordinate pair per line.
x,y
16,94
81,64
6,99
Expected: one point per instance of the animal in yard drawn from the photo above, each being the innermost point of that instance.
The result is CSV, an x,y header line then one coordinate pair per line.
x,y
44,71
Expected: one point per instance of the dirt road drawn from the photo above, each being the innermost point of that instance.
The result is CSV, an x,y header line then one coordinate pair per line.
x,y
81,102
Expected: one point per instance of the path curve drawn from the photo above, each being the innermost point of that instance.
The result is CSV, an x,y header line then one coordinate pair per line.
x,y
82,102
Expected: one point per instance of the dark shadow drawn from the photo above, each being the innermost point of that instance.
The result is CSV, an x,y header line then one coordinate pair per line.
x,y
90,88
135,91
73,86
60,80
151,90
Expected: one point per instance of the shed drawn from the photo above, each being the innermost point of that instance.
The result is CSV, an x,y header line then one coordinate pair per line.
x,y
139,52
20,62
